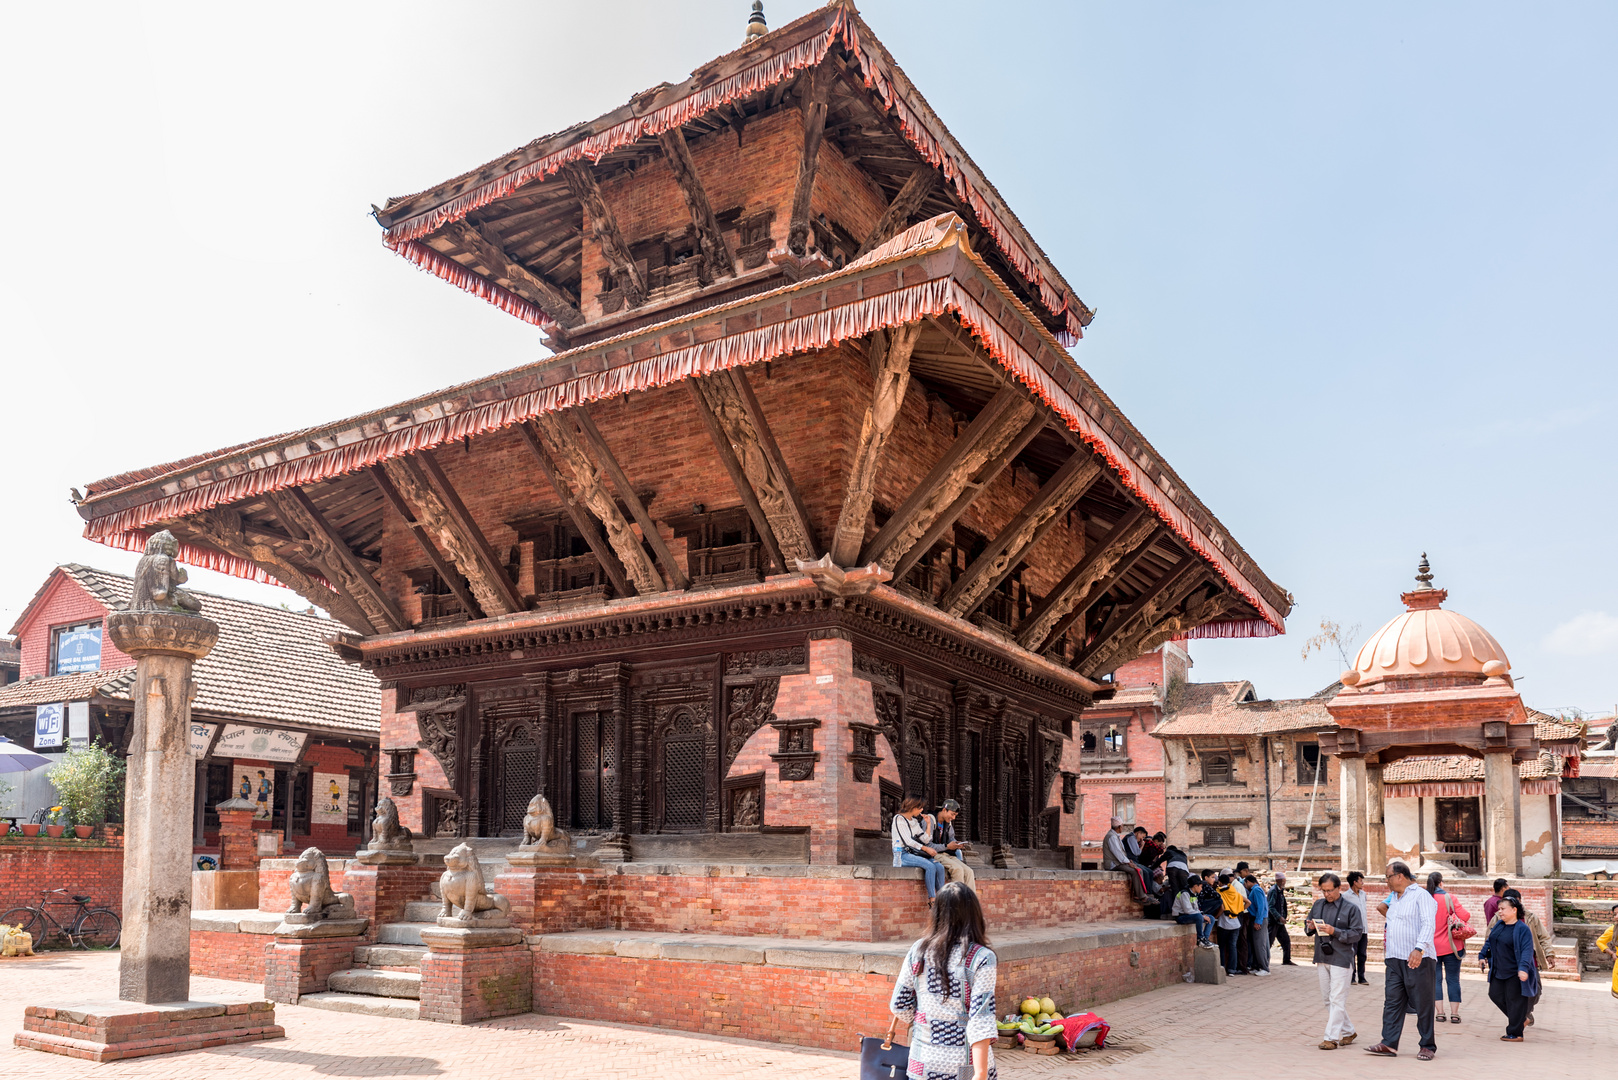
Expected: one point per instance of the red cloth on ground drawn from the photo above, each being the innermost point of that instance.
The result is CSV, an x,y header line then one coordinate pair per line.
x,y
1075,1026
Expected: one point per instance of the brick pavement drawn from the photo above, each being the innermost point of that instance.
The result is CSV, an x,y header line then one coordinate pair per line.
x,y
1269,1023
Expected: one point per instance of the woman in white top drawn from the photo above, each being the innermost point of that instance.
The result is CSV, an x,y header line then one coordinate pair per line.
x,y
910,834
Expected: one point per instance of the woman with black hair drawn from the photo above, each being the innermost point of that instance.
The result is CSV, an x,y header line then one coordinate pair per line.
x,y
946,991
1508,960
910,848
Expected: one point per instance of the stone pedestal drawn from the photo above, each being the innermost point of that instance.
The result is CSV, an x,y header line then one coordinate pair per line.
x,y
1206,968
1502,827
381,890
155,961
1356,843
477,974
238,849
304,955
551,894
115,1030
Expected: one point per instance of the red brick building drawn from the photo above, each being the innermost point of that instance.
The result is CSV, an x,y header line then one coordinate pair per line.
x,y
811,508
1121,772
275,708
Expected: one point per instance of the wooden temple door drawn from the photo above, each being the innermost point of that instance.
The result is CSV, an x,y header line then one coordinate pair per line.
x,y
594,758
1460,830
971,781
517,779
681,781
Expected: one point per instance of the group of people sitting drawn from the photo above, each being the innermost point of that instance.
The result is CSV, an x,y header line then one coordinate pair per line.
x,y
928,841
1244,913
1153,865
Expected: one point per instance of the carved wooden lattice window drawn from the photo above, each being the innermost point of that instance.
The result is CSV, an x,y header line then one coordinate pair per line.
x,y
593,786
685,787
1221,836
519,777
722,547
563,561
438,600
1216,769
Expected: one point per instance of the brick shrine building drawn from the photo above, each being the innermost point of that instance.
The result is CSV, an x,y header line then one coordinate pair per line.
x,y
274,707
1121,765
810,509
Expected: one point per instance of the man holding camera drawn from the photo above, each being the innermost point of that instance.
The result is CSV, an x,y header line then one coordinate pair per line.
x,y
1336,923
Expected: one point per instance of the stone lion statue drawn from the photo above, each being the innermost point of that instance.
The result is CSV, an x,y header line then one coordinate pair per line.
x,y
158,577
465,895
386,832
539,831
310,885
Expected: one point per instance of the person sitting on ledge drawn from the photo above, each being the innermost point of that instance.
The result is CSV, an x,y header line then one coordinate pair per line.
x,y
1188,911
1115,856
910,847
949,848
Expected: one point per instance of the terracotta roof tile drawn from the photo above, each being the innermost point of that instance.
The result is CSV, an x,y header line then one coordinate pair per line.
x,y
1455,768
1233,708
77,687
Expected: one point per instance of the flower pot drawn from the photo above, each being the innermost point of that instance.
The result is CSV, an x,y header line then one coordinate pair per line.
x,y
55,830
83,831
30,830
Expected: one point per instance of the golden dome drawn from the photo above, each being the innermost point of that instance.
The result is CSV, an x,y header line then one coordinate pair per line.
x,y
1428,640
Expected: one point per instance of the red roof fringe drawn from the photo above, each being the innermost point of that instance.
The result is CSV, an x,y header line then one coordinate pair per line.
x,y
743,84
807,333
207,558
441,265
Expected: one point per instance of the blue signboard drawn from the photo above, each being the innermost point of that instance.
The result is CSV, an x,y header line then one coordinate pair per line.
x,y
47,726
78,650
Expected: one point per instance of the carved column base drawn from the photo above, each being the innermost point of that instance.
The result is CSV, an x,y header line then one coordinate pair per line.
x,y
472,975
614,848
1004,858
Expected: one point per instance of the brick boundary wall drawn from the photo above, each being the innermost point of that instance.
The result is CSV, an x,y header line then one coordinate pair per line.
x,y
821,1008
297,966
221,955
477,984
91,867
1592,836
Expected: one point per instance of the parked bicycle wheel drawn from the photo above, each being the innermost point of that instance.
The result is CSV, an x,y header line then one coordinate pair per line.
x,y
28,920
98,929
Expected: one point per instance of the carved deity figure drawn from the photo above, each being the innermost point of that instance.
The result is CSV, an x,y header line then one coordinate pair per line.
x,y
386,832
158,578
310,886
467,900
1611,741
539,831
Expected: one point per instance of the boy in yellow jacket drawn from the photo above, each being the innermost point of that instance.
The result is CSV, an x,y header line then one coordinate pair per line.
x,y
1606,944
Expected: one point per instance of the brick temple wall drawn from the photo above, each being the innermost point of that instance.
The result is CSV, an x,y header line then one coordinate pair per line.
x,y
221,955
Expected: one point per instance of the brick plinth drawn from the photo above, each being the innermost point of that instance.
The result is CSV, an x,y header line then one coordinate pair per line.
x,y
297,966
381,892
112,1031
550,900
464,987
238,850
221,955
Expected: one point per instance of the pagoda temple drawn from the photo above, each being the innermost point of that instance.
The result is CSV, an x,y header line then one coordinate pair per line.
x,y
808,508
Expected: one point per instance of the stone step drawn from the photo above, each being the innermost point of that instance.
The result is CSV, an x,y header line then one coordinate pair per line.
x,y
389,956
393,1008
393,984
423,910
402,933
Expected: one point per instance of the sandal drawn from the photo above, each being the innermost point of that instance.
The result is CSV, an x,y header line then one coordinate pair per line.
x,y
1455,1019
1440,1018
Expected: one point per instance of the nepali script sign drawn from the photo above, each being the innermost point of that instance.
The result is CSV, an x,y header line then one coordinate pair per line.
x,y
262,743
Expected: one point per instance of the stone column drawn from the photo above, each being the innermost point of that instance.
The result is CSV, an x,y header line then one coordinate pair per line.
x,y
1356,846
1502,798
1376,829
155,962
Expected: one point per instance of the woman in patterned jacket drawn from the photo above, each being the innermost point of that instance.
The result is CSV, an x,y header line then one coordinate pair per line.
x,y
946,992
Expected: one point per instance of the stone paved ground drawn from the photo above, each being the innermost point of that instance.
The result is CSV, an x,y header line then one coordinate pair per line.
x,y
1270,1025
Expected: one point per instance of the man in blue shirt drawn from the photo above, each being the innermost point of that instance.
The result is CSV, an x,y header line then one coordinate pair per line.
x,y
1407,945
1258,934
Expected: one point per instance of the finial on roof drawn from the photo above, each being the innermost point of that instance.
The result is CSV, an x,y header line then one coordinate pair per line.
x,y
1424,573
756,26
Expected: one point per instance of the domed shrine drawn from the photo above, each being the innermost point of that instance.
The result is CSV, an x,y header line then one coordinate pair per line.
x,y
1432,683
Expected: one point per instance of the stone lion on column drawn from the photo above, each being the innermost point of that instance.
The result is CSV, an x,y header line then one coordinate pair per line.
x,y
312,895
468,903
539,831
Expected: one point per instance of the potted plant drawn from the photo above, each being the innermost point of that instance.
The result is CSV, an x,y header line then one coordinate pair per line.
x,y
31,828
89,780
56,822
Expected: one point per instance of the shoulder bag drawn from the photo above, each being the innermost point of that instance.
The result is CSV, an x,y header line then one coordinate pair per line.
x,y
1459,929
884,1059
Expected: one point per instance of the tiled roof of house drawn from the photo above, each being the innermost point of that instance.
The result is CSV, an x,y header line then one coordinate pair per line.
x,y
1417,770
271,665
1555,729
1233,708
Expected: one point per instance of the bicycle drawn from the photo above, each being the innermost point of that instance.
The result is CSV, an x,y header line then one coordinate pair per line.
x,y
87,928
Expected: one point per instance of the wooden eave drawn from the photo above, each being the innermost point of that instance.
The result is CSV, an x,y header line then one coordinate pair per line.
x,y
928,272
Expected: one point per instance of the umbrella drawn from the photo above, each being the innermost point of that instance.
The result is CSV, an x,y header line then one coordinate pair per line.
x,y
14,758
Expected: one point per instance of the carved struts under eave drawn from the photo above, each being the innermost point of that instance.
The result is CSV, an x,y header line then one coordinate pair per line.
x,y
814,129
422,484
604,227
587,525
896,218
890,355
336,560
1053,612
710,239
510,274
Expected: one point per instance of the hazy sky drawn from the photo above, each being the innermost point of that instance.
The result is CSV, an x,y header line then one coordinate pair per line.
x,y
1353,264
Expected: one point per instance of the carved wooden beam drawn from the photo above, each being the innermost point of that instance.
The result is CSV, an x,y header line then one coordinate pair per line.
x,y
1123,564
976,486
1054,498
587,488
735,409
440,511
609,464
604,227
710,239
1126,533
222,528
890,362
446,573
588,527
990,432
518,278
1120,641
337,561
814,130
903,207
1199,610
738,477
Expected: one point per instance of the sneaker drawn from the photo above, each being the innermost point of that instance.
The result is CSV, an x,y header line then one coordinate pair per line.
x,y
1262,974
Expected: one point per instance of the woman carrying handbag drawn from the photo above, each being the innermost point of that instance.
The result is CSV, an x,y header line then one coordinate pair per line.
x,y
1449,948
945,991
